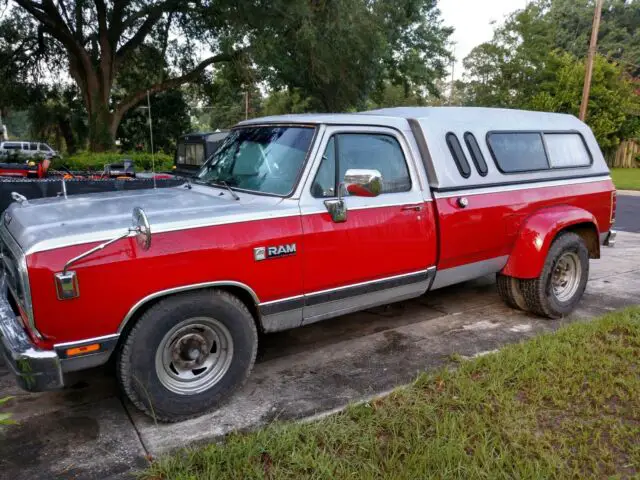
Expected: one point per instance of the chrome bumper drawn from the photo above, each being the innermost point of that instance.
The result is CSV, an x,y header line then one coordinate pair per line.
x,y
35,370
610,238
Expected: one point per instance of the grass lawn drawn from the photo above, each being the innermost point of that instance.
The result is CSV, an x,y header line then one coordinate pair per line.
x,y
563,405
626,178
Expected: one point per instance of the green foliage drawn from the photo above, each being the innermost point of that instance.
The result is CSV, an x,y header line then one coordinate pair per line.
x,y
536,61
613,104
97,161
170,120
57,116
337,53
226,95
281,102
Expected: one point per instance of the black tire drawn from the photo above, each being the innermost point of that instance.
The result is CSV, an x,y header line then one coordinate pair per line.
x,y
139,375
510,292
539,293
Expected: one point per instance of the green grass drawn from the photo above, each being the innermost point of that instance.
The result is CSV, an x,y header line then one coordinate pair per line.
x,y
626,178
563,405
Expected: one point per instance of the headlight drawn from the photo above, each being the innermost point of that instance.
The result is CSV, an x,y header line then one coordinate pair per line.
x,y
14,266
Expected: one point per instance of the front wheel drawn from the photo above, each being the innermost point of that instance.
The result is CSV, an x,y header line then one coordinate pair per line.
x,y
559,288
187,354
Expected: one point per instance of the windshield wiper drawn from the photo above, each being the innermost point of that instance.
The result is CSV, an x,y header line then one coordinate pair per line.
x,y
233,194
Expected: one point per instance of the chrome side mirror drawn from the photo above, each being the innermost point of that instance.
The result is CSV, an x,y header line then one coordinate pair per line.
x,y
363,183
141,228
337,209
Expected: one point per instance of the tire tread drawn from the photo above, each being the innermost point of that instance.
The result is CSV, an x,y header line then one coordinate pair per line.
x,y
123,370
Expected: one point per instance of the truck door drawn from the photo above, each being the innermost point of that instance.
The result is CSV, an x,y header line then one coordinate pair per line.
x,y
385,249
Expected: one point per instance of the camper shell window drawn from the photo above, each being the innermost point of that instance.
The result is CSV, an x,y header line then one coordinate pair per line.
x,y
476,153
458,155
518,152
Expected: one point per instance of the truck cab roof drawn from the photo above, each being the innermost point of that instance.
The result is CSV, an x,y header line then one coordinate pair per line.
x,y
435,133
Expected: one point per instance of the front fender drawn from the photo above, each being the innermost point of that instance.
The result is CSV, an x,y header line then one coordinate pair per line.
x,y
536,234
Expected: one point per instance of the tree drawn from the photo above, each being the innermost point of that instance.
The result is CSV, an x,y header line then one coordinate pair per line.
x,y
170,119
614,107
96,39
18,66
226,95
535,61
57,116
337,52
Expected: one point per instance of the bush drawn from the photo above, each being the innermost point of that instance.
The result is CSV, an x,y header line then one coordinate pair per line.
x,y
97,161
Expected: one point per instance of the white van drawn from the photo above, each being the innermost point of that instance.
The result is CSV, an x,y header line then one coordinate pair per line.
x,y
29,149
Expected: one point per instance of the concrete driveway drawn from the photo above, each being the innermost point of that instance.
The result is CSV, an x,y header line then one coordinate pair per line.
x,y
89,431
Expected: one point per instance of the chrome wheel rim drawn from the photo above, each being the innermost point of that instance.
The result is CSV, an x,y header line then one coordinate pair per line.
x,y
194,355
565,279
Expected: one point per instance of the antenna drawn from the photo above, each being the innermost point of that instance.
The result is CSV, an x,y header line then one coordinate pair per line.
x,y
153,160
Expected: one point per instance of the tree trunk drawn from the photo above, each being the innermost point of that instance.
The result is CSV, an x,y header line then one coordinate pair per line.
x,y
101,134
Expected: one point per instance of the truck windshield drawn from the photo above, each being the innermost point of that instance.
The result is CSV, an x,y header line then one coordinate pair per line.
x,y
265,159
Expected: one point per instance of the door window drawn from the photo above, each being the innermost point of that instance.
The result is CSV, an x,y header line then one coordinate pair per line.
x,y
371,151
33,147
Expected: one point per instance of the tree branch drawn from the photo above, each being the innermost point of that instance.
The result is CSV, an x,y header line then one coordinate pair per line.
x,y
139,36
133,99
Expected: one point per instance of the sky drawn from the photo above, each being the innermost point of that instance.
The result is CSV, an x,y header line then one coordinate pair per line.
x,y
472,22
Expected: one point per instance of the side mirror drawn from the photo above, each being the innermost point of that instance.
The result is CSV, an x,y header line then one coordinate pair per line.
x,y
363,183
337,209
140,225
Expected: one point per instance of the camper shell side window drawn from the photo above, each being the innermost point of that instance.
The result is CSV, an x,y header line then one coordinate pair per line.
x,y
533,151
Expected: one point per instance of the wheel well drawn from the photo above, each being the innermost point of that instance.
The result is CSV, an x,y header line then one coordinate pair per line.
x,y
589,234
243,295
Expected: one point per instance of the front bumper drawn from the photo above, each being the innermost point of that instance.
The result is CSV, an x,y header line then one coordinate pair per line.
x,y
35,370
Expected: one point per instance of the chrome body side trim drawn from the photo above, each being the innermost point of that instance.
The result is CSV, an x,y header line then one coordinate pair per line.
x,y
523,186
469,271
86,341
185,288
327,307
299,310
366,207
284,320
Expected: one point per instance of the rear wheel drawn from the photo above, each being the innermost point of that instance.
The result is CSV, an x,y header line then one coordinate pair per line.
x,y
187,354
509,291
559,288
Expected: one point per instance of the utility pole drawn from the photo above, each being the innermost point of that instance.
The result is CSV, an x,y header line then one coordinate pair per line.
x,y
592,53
453,64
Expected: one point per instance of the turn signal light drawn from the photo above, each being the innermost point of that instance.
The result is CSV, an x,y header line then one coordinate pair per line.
x,y
94,347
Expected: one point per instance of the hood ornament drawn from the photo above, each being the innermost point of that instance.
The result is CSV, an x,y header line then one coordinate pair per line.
x,y
67,282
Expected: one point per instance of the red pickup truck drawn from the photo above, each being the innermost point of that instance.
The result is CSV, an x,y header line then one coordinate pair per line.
x,y
296,219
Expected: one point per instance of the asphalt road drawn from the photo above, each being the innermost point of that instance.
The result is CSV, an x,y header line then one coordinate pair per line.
x,y
628,213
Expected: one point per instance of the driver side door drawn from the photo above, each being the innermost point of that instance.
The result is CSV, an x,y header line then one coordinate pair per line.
x,y
385,249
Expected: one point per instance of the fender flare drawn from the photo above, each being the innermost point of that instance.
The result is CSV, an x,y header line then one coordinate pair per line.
x,y
536,234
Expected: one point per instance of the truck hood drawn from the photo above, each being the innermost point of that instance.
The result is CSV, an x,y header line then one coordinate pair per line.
x,y
49,223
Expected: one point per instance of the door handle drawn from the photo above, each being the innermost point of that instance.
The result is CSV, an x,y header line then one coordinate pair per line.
x,y
416,208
